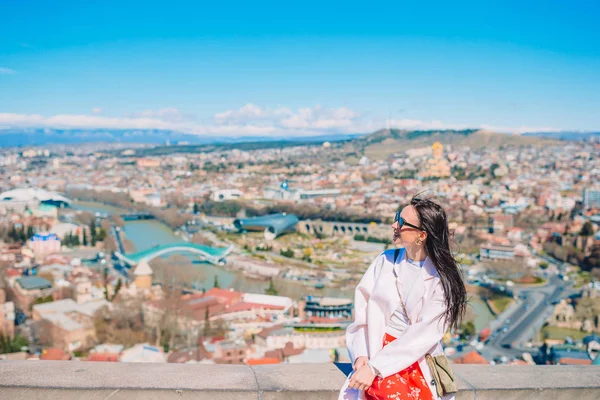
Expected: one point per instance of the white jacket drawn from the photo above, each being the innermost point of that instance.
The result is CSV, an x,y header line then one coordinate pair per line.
x,y
376,298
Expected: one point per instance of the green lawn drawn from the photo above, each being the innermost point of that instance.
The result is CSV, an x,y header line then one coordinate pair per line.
x,y
499,304
554,332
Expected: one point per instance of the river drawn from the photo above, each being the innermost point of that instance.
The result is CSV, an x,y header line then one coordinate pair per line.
x,y
145,234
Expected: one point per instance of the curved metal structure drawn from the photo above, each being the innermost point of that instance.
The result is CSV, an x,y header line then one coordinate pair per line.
x,y
273,225
211,254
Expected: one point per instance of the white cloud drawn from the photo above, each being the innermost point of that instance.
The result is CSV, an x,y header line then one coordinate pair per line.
x,y
246,121
307,120
7,71
68,121
249,113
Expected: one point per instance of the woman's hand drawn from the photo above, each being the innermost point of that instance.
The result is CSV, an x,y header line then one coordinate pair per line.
x,y
362,379
359,362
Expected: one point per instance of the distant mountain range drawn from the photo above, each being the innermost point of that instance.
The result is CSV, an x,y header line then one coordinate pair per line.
x,y
39,137
385,142
382,142
565,135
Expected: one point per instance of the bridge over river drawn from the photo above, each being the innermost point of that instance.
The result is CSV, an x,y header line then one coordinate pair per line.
x,y
213,255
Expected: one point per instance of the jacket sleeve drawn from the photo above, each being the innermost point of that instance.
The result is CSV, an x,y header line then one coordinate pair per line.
x,y
356,332
416,340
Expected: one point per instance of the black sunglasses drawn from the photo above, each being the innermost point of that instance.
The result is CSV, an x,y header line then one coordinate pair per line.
x,y
401,222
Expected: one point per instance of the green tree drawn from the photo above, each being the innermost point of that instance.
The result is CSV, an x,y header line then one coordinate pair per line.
x,y
85,241
196,208
101,235
30,232
76,240
45,299
467,330
216,282
13,233
271,289
22,235
93,232
587,229
106,283
206,330
289,253
12,346
66,240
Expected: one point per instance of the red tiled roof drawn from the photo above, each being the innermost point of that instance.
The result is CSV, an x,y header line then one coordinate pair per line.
x,y
574,361
216,339
12,272
472,357
103,357
262,361
54,355
225,295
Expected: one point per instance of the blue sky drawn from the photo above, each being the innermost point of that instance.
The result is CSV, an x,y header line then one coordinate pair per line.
x,y
294,68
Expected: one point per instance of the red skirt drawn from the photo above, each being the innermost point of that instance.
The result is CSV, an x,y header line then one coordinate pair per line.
x,y
407,384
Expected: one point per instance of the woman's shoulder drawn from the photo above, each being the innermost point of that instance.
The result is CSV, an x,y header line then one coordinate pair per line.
x,y
388,256
392,254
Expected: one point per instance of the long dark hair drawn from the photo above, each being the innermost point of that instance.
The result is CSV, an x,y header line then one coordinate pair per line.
x,y
435,222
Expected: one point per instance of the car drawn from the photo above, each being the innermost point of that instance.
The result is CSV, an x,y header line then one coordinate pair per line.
x,y
505,329
527,307
506,345
507,321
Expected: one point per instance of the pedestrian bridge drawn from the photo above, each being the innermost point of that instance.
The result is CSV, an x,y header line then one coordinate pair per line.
x,y
213,255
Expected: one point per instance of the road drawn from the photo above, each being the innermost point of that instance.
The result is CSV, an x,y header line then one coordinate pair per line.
x,y
528,317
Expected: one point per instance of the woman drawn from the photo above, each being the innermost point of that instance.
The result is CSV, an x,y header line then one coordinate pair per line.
x,y
388,347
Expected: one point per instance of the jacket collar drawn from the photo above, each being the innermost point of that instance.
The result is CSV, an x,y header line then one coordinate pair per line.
x,y
429,270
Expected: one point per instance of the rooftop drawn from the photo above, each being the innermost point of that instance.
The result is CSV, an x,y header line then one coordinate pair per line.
x,y
34,282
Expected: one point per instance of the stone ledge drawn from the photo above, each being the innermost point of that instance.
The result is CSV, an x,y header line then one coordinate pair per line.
x,y
49,380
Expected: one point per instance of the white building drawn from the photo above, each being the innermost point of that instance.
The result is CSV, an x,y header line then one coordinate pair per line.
x,y
591,197
278,193
226,195
19,199
277,339
143,353
44,243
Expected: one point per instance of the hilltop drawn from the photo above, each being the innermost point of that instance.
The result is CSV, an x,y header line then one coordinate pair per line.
x,y
383,143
